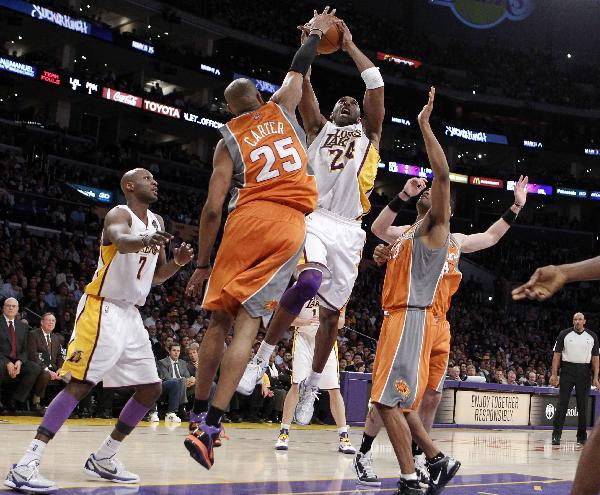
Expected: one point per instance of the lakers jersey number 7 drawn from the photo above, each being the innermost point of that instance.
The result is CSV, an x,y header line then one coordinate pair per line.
x,y
126,277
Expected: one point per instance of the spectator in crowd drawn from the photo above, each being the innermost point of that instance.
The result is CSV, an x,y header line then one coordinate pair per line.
x,y
499,377
511,378
454,373
176,379
45,349
531,380
14,364
11,288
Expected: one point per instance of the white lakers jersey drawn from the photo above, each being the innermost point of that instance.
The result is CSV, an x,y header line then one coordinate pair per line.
x,y
345,165
126,277
310,311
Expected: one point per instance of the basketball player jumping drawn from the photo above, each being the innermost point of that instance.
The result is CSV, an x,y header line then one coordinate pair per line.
x,y
344,154
109,342
382,227
542,285
400,374
262,154
303,350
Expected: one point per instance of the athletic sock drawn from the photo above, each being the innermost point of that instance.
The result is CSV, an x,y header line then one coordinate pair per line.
x,y
409,477
367,442
416,450
34,452
284,427
213,416
109,447
313,379
343,430
264,351
200,406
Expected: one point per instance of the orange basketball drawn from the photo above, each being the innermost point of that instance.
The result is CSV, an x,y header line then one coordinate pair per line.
x,y
331,41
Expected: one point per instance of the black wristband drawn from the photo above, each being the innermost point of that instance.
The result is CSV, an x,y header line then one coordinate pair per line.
x,y
305,55
396,204
509,216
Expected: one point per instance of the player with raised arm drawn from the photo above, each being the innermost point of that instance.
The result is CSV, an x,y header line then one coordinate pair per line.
x,y
263,159
109,342
343,151
415,267
382,227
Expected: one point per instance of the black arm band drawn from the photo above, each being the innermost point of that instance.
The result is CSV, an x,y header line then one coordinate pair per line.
x,y
509,216
305,55
396,204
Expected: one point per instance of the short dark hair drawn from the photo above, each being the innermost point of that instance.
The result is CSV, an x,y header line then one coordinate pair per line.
x,y
174,344
48,313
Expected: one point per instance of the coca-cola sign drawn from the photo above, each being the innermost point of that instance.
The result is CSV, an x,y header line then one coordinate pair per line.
x,y
160,108
120,97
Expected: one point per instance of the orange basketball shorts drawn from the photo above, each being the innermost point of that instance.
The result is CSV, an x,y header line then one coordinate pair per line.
x,y
440,353
402,361
261,246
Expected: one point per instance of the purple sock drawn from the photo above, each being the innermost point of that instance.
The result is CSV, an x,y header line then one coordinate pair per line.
x,y
131,415
302,291
57,413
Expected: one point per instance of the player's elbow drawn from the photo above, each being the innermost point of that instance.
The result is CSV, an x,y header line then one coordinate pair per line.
x,y
211,212
376,229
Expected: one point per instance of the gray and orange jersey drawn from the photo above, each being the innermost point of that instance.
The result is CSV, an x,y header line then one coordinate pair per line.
x,y
268,149
413,272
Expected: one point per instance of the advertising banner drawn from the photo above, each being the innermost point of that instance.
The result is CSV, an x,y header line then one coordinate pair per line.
x,y
545,407
491,408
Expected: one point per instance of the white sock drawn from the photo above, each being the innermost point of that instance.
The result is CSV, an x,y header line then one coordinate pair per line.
x,y
408,477
342,430
285,427
264,352
108,448
313,379
34,452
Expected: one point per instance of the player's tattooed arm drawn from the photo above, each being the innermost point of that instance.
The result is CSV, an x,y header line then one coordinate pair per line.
x,y
210,218
182,255
117,231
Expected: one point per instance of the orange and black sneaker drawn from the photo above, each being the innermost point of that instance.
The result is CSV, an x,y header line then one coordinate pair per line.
x,y
200,444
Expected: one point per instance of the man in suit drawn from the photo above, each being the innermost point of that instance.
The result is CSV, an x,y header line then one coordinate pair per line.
x,y
45,350
176,379
14,364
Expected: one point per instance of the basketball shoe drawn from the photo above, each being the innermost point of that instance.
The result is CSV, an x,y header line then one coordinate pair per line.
x,y
200,444
422,470
26,478
440,473
363,468
252,376
282,439
409,487
306,403
110,469
346,446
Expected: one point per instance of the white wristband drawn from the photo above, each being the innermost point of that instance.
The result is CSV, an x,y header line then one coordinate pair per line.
x,y
372,78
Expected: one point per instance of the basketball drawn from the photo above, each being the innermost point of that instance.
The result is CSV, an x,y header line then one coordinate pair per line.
x,y
331,41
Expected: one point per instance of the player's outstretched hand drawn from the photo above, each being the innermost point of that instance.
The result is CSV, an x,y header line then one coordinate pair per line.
x,y
424,115
157,239
414,186
196,282
544,283
381,255
324,20
183,254
521,190
346,36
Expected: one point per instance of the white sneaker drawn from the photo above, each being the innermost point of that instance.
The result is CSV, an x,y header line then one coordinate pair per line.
x,y
110,469
363,468
422,470
346,446
154,417
27,478
172,417
253,374
306,403
282,440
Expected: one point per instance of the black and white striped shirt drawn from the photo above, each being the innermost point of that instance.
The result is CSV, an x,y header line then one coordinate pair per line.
x,y
577,347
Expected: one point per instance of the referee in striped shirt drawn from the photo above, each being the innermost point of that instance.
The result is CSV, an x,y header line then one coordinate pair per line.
x,y
575,350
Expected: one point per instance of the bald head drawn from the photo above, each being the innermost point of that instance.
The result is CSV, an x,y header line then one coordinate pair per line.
x,y
242,96
578,322
139,184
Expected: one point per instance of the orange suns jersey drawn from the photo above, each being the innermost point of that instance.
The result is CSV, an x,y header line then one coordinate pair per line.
x,y
413,273
450,281
268,149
